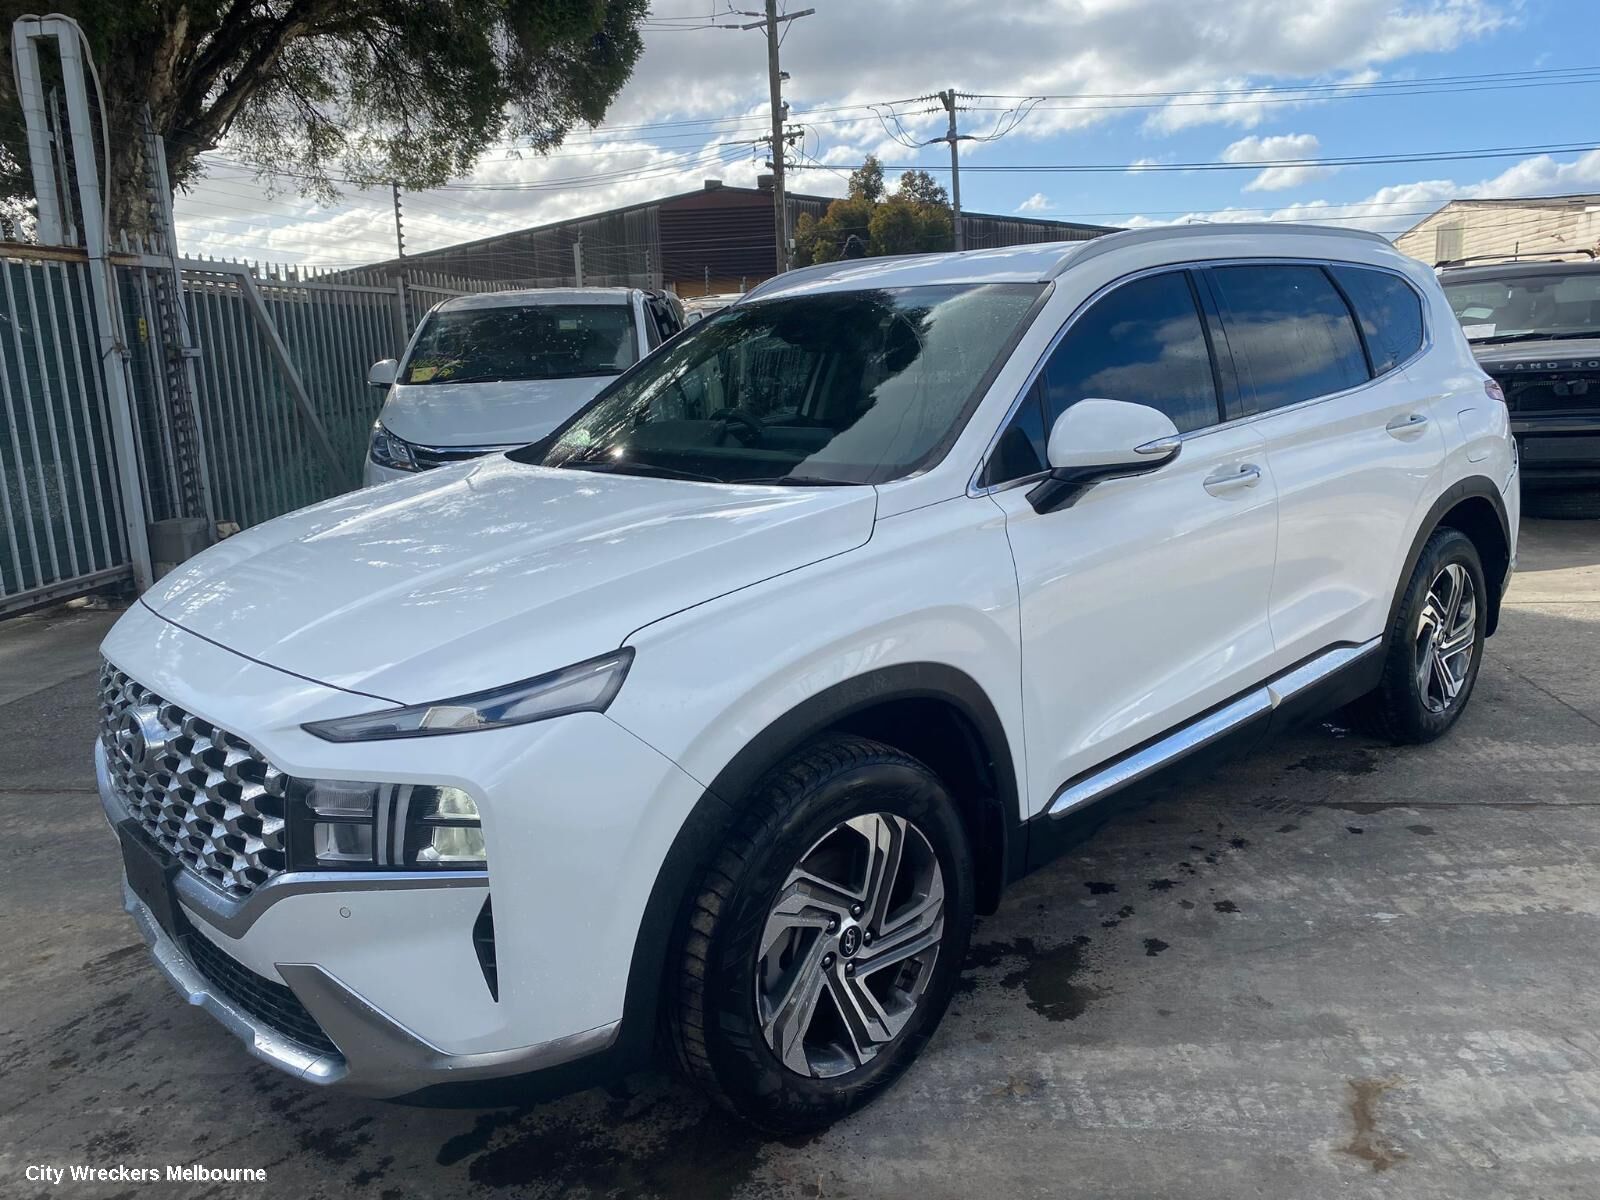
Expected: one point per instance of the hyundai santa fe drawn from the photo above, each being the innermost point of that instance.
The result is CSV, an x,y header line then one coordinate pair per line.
x,y
707,723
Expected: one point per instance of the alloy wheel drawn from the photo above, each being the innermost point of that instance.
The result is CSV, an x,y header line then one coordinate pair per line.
x,y
849,945
1446,637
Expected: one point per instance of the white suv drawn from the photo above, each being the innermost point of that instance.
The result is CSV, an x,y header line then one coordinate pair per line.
x,y
718,714
497,370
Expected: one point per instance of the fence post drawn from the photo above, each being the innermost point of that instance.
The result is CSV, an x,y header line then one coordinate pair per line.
x,y
402,325
179,350
113,358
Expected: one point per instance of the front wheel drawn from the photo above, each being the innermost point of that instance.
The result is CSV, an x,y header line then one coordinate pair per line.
x,y
828,937
1435,645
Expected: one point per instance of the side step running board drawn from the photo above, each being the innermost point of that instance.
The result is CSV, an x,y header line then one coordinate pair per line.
x,y
1203,731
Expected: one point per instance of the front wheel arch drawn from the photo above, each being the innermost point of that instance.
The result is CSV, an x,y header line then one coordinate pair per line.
x,y
868,705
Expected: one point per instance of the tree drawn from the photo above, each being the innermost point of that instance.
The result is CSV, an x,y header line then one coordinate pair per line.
x,y
915,220
326,92
866,181
920,188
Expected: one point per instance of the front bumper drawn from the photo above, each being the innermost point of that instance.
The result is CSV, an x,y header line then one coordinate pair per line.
x,y
376,1057
1558,451
578,815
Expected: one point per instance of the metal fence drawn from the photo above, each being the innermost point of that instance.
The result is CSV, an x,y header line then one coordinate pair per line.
x,y
61,524
264,368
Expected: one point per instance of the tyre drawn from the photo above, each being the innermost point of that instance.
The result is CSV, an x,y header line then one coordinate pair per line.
x,y
1573,505
1435,646
826,939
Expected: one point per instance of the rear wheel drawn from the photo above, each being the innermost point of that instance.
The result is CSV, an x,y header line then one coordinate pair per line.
x,y
827,939
1435,645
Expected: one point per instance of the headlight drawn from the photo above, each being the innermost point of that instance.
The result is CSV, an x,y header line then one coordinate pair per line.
x,y
346,825
389,451
589,686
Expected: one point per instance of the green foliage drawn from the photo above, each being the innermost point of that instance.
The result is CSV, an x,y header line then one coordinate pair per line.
x,y
866,181
919,187
915,220
325,92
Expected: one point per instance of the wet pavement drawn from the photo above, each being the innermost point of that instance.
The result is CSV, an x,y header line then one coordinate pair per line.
x,y
1334,969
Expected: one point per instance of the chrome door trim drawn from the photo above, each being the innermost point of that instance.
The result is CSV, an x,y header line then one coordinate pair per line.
x,y
1203,731
974,488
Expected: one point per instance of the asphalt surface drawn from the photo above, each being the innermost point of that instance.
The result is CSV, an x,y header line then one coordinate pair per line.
x,y
1336,969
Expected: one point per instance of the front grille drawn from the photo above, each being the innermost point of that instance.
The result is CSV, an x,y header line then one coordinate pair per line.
x,y
203,794
428,457
1557,391
263,999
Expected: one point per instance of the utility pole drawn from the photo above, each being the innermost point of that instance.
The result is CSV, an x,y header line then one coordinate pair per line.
x,y
771,22
948,98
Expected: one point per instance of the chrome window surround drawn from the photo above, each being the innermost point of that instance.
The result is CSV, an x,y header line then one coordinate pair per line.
x,y
974,488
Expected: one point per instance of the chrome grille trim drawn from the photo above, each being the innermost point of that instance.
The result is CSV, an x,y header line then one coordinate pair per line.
x,y
202,793
429,457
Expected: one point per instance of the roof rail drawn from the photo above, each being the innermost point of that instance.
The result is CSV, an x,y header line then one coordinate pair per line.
x,y
1108,242
1546,256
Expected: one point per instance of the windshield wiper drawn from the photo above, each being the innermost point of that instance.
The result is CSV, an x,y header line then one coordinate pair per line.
x,y
635,468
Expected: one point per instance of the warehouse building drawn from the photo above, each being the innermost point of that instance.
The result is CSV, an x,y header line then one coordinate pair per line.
x,y
1531,226
715,239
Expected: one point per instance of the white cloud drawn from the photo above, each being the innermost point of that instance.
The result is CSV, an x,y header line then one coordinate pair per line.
x,y
1394,209
1101,50
1036,203
1280,146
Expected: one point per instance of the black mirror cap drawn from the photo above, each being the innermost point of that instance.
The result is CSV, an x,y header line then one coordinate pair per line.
x,y
1064,486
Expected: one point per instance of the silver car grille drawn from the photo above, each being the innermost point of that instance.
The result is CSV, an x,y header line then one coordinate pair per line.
x,y
201,792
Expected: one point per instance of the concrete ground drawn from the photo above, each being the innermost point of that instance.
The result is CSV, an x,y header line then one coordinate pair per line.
x,y
1335,969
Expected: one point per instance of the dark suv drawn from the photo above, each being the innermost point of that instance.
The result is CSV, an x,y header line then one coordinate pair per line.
x,y
1535,327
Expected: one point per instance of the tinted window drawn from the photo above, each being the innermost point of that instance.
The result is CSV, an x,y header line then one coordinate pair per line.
x,y
547,341
843,387
1290,332
1143,344
1389,311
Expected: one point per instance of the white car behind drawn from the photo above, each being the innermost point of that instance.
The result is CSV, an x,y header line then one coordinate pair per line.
x,y
494,371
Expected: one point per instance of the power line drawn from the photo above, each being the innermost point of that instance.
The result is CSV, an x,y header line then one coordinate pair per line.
x,y
1137,168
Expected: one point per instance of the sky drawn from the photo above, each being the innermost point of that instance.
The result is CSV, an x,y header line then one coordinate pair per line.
x,y
1174,103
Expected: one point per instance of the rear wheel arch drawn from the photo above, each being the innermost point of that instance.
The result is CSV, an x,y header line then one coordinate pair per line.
x,y
933,712
1474,506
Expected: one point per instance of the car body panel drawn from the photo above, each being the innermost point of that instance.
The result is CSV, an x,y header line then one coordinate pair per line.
x,y
489,572
1142,605
508,413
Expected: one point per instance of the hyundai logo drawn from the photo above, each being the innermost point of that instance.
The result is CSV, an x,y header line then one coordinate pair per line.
x,y
850,941
142,737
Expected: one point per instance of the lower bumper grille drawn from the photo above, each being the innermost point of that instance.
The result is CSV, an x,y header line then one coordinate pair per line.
x,y
263,999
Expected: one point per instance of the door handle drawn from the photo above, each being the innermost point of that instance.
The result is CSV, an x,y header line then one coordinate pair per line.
x,y
1410,423
1246,475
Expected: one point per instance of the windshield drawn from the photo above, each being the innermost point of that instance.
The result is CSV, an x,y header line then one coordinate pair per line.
x,y
1535,303
545,341
837,387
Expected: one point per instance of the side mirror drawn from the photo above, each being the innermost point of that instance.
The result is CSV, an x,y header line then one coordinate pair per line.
x,y
383,372
1095,440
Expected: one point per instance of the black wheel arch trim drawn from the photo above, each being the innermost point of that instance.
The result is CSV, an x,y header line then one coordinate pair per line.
x,y
715,811
1472,487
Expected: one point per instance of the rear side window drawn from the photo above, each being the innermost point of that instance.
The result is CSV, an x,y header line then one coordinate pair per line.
x,y
1390,313
1290,333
